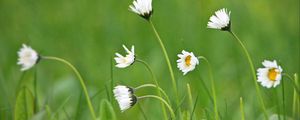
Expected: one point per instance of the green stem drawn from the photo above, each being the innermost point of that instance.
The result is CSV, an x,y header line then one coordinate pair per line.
x,y
283,103
212,87
167,60
156,85
162,100
253,74
292,80
296,99
242,108
80,79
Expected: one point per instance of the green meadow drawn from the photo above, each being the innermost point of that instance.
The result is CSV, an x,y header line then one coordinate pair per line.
x,y
88,33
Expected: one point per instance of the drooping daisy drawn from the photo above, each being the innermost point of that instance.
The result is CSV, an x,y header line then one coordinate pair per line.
x,y
142,7
126,61
221,20
27,57
270,75
187,62
125,97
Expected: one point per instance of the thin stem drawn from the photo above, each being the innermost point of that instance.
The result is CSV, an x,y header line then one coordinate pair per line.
x,y
152,85
162,100
156,85
283,103
293,82
296,99
112,78
167,60
80,80
253,74
212,86
242,108
36,100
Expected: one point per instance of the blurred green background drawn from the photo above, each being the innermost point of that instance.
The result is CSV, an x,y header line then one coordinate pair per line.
x,y
88,33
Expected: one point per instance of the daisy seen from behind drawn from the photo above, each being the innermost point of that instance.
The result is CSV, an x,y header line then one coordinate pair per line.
x,y
123,62
221,20
270,75
28,57
142,7
187,62
125,97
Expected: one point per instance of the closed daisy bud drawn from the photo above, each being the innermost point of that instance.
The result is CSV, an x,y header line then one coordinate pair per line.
x,y
125,97
270,75
187,62
221,20
126,61
142,7
27,57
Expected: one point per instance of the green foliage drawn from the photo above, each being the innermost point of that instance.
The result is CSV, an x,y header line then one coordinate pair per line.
x,y
106,111
24,106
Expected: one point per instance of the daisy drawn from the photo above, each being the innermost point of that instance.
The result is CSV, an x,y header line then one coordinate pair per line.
x,y
125,97
221,20
270,75
187,62
122,61
142,7
27,57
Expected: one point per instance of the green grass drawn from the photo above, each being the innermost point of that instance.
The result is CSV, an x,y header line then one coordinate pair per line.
x,y
88,33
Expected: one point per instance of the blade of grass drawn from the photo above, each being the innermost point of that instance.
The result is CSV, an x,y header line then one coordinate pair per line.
x,y
296,99
194,107
61,106
66,114
142,111
79,105
242,109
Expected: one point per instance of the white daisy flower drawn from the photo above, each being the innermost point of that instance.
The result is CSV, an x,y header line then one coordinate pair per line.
x,y
270,75
221,20
125,97
27,57
122,61
187,62
142,8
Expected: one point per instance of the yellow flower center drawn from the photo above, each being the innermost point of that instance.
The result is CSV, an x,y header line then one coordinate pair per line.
x,y
272,74
188,60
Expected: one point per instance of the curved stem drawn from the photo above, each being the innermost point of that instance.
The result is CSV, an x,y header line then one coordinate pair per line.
x,y
162,100
212,87
152,85
80,80
167,60
156,83
253,74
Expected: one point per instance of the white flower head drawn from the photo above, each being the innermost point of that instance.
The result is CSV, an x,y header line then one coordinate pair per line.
x,y
221,20
27,57
125,97
126,61
270,75
142,7
187,62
